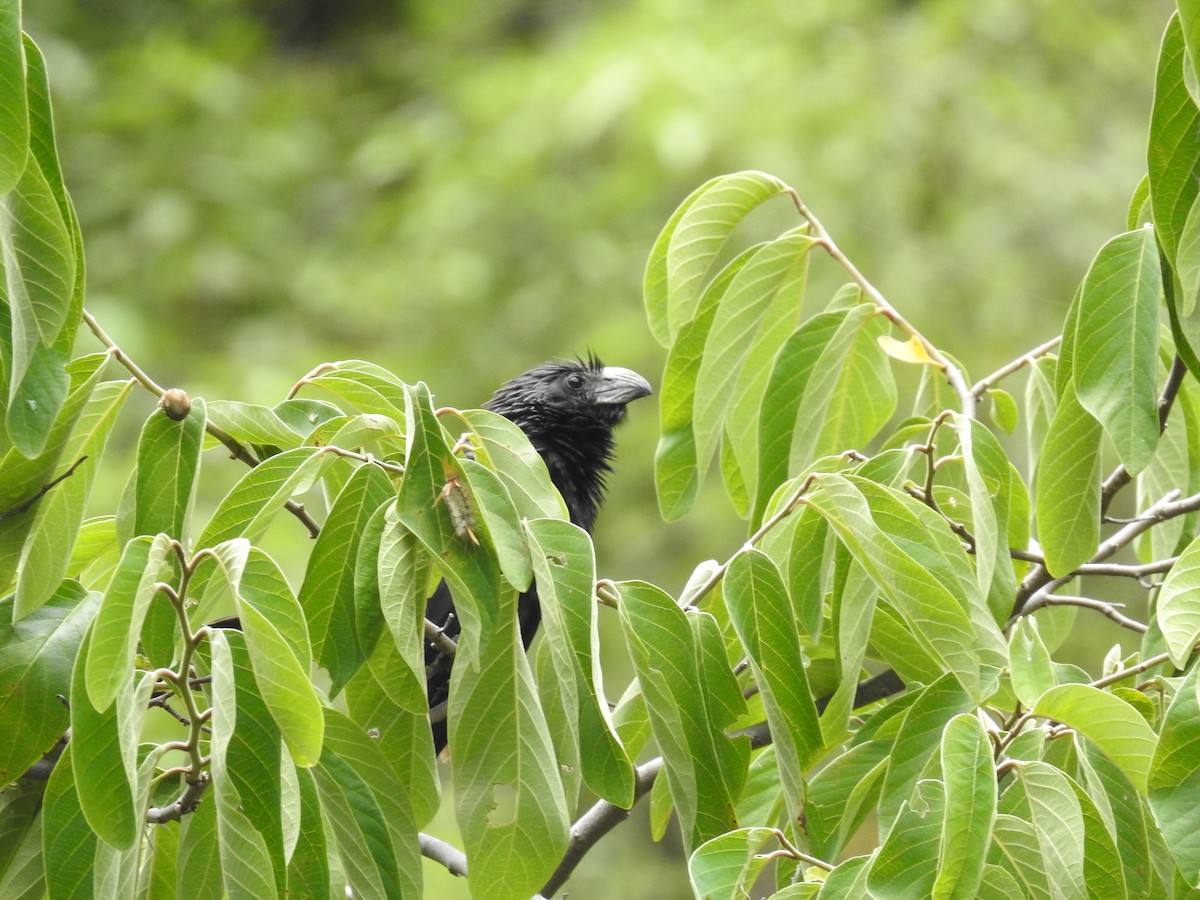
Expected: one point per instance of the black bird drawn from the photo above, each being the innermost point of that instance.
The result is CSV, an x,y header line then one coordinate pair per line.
x,y
568,409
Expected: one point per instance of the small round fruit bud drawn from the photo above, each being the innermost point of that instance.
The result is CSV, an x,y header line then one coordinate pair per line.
x,y
176,404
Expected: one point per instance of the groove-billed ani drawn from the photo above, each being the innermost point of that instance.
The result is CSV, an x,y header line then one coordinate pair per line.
x,y
568,410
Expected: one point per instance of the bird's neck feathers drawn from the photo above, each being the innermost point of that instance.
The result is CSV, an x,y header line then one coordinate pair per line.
x,y
578,459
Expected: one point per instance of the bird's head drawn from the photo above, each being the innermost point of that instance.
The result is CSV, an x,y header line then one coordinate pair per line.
x,y
568,409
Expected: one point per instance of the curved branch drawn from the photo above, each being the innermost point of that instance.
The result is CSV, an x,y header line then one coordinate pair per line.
x,y
445,854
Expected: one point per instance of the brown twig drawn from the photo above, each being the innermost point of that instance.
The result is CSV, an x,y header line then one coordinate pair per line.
x,y
42,491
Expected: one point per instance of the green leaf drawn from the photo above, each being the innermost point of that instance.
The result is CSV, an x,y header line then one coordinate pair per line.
x,y
59,514
68,842
1004,409
168,464
105,775
308,869
36,657
114,635
728,866
1116,344
199,865
387,699
1055,815
795,366
372,388
905,866
22,478
969,775
435,504
918,740
248,509
14,114
762,616
1178,607
1029,662
1067,492
1173,156
37,259
1107,721
245,859
705,769
282,677
1102,872
36,400
1174,778
566,575
919,567
850,395
349,749
253,759
677,468
504,448
509,798
776,268
327,593
691,240
250,423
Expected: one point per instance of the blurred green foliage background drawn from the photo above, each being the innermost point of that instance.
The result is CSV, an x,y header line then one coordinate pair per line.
x,y
460,190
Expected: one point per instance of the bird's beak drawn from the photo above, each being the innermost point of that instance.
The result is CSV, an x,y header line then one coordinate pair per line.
x,y
619,386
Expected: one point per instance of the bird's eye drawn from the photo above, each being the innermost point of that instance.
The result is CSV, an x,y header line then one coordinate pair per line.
x,y
575,381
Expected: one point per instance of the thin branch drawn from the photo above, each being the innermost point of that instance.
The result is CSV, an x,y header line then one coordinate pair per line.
x,y
454,860
445,644
1108,609
982,386
954,376
42,491
236,449
1039,580
184,804
1122,476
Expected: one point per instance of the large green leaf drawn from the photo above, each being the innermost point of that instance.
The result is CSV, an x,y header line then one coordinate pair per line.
x,y
1067,492
22,478
37,259
919,567
327,593
761,613
68,842
1174,778
437,505
969,776
505,448
168,465
793,370
282,676
119,622
566,576
1116,344
245,859
1114,726
509,797
349,749
851,393
1173,154
105,774
36,657
905,866
777,268
1178,607
677,469
254,760
690,241
14,113
59,514
705,769
1057,819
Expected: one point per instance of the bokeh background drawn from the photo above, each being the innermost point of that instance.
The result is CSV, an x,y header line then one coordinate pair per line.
x,y
458,190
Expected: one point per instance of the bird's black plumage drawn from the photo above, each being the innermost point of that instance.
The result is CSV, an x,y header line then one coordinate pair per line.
x,y
568,410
